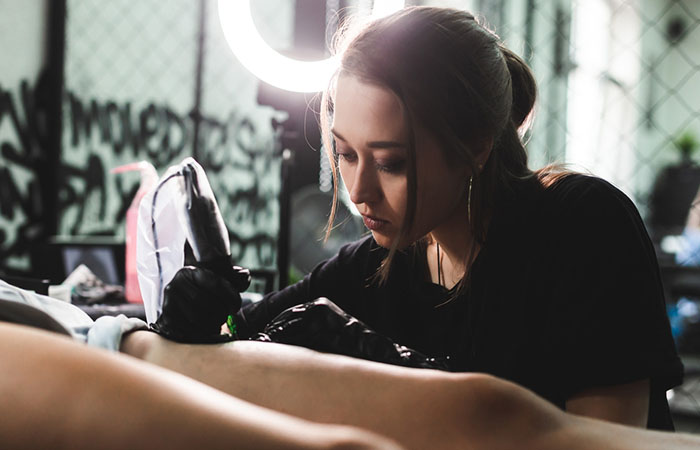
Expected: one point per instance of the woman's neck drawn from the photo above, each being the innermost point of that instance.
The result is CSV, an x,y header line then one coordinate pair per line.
x,y
444,270
447,253
453,246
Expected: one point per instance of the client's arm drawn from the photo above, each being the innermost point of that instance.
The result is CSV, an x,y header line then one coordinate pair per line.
x,y
627,404
419,408
60,394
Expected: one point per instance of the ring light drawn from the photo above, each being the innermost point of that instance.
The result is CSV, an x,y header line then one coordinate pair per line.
x,y
269,65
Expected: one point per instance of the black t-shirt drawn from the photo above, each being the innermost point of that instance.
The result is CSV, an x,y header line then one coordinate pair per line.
x,y
565,295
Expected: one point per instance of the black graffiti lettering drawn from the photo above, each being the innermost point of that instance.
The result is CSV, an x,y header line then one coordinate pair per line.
x,y
149,121
211,135
66,193
23,154
9,194
95,180
131,136
93,176
162,134
82,119
7,106
10,154
33,138
32,229
117,131
264,163
156,133
175,134
245,135
111,122
107,126
248,206
263,245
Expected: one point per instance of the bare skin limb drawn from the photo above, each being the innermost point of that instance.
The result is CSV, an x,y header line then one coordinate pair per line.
x,y
57,393
416,407
627,404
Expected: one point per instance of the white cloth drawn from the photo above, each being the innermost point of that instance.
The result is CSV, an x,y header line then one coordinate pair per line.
x,y
32,309
107,331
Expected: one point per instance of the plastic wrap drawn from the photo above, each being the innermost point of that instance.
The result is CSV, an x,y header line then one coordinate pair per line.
x,y
180,208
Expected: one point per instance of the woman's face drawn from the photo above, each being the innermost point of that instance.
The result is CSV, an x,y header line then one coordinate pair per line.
x,y
371,141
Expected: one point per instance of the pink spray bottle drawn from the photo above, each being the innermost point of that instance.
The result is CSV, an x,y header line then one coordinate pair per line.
x,y
149,177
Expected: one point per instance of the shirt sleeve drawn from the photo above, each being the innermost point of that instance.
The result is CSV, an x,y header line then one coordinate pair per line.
x,y
337,279
608,293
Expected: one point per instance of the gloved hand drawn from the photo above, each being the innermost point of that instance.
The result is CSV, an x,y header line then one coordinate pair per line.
x,y
321,325
198,300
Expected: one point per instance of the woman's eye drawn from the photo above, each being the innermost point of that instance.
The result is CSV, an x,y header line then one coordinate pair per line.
x,y
347,156
392,166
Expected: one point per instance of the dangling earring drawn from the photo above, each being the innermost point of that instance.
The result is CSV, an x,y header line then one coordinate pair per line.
x,y
469,199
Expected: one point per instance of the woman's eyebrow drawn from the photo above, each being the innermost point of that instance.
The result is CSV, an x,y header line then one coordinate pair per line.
x,y
338,135
373,144
386,144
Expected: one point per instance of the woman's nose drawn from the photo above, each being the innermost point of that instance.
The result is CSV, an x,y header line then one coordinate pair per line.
x,y
365,186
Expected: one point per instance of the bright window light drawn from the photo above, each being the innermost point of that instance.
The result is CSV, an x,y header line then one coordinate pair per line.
x,y
386,7
269,65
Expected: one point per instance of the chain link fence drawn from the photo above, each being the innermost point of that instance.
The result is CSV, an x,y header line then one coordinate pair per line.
x,y
619,91
129,72
155,81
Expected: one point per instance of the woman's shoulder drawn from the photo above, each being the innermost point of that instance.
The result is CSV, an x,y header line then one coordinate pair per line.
x,y
564,193
593,209
572,185
583,193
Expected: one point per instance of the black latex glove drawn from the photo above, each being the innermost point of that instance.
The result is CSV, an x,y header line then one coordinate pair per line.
x,y
199,300
321,325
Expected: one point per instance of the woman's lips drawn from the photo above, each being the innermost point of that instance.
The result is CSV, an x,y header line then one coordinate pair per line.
x,y
373,223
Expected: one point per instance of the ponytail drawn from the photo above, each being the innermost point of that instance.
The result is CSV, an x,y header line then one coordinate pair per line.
x,y
524,88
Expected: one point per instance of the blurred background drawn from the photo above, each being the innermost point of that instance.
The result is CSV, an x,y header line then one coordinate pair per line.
x,y
90,85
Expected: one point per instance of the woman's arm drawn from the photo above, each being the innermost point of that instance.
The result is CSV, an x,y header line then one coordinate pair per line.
x,y
627,404
614,327
340,279
57,393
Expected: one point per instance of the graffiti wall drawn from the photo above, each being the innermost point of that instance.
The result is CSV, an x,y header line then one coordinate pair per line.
x,y
20,199
237,151
131,91
22,25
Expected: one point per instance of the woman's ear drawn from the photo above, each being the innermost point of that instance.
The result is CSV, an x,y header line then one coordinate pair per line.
x,y
484,148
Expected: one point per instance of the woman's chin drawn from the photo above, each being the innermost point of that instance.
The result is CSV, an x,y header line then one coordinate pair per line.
x,y
386,241
382,239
